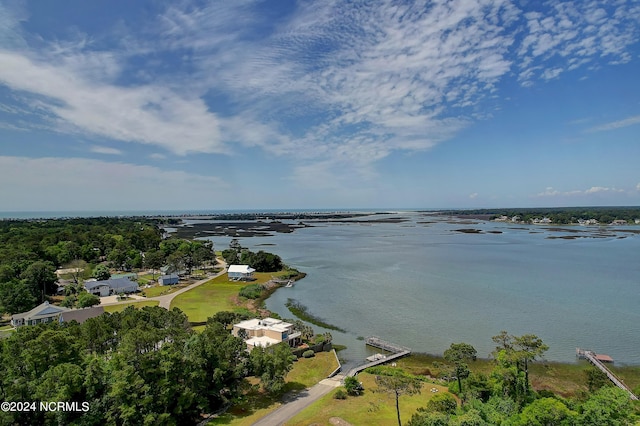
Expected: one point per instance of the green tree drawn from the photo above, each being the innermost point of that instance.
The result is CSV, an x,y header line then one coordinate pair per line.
x,y
86,300
154,259
596,379
546,411
271,365
528,348
459,354
608,406
40,277
426,418
442,402
398,383
16,297
101,273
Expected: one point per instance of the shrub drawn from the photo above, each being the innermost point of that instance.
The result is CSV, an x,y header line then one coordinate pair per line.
x,y
251,291
308,354
340,394
353,386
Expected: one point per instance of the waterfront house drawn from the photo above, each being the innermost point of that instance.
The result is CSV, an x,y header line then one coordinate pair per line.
x,y
265,332
240,272
169,279
81,315
111,286
42,313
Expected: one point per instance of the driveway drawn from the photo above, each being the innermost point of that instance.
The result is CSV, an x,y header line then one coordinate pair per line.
x,y
298,402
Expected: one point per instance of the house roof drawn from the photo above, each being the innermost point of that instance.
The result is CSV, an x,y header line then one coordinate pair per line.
x,y
81,315
41,311
263,341
264,324
243,269
114,283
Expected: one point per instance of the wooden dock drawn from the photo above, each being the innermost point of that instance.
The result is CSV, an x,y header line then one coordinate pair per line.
x,y
595,359
397,351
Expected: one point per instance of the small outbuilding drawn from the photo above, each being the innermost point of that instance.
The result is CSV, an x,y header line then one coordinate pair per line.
x,y
240,272
168,279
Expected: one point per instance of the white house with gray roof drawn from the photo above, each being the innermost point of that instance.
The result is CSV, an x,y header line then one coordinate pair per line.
x,y
40,314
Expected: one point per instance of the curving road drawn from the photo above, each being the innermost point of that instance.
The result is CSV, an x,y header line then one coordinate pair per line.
x,y
165,300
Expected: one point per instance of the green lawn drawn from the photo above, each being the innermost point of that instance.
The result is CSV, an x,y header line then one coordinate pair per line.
x,y
305,373
216,295
160,290
147,279
121,307
372,407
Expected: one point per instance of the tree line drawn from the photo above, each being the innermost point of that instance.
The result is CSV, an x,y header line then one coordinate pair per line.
x,y
142,366
563,215
32,250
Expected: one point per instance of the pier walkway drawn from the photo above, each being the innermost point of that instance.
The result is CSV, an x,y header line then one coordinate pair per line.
x,y
397,351
592,357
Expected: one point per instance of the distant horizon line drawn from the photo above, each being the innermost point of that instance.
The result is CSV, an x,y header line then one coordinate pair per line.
x,y
52,214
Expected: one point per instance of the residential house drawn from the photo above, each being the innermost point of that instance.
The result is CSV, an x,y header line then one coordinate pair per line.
x,y
265,332
240,272
111,286
40,314
81,315
619,222
168,279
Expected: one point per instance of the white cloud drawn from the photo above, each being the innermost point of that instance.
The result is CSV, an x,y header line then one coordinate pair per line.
x,y
358,82
551,192
105,150
617,124
84,184
144,114
596,189
474,195
570,34
638,186
157,156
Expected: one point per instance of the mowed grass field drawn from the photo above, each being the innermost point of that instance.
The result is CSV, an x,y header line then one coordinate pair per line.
x,y
218,294
121,307
306,372
371,408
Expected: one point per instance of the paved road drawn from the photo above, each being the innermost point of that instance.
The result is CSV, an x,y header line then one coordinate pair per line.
x,y
297,403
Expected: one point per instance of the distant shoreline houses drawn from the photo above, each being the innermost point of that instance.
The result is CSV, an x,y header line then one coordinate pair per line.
x,y
547,221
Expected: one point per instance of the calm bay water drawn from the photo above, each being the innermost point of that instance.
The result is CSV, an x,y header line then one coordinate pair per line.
x,y
425,286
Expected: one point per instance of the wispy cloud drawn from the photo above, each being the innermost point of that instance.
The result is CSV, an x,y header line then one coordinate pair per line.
x,y
616,124
105,150
552,192
334,85
564,36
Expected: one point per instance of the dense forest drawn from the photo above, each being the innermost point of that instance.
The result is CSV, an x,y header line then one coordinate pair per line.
x,y
32,250
559,215
137,367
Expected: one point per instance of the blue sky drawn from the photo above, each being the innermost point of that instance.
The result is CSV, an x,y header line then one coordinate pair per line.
x,y
120,105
